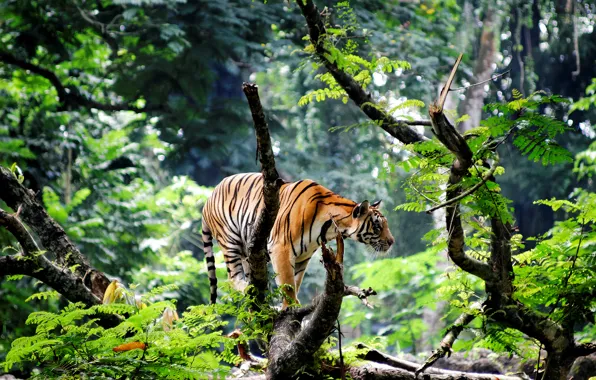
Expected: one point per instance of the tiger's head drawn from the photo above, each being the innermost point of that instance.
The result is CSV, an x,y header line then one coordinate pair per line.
x,y
370,227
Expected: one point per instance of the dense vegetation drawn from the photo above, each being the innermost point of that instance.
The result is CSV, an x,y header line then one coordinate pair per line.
x,y
122,115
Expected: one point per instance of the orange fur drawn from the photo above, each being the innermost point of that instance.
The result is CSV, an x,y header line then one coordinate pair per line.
x,y
308,214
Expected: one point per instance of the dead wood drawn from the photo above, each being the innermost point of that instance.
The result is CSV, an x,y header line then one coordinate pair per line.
x,y
257,248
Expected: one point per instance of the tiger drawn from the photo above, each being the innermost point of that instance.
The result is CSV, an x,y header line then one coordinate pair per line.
x,y
309,214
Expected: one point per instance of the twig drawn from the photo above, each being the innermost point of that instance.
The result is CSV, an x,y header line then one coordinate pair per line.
x,y
570,273
482,82
447,341
421,194
362,294
467,192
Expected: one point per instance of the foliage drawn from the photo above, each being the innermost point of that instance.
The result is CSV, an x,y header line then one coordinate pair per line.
x,y
150,341
124,184
406,286
587,102
558,272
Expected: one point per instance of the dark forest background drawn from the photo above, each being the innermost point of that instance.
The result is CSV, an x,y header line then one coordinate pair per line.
x,y
122,115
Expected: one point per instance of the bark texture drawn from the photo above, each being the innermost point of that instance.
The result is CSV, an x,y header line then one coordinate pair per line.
x,y
257,248
399,129
291,348
52,237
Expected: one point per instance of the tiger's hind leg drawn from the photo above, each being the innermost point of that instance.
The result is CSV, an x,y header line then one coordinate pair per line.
x,y
299,270
235,265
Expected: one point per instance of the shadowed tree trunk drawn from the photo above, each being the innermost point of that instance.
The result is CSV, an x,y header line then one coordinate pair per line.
x,y
483,69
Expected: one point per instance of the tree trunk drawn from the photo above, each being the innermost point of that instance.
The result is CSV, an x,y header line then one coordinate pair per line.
x,y
557,366
483,69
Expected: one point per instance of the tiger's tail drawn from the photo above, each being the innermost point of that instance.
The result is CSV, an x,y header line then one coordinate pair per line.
x,y
208,249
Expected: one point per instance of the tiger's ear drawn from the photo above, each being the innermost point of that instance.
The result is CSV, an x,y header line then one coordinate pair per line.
x,y
360,209
376,204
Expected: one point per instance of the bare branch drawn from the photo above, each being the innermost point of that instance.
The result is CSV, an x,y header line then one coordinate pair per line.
x,y
18,230
257,247
481,82
471,190
362,294
374,371
443,96
290,347
376,356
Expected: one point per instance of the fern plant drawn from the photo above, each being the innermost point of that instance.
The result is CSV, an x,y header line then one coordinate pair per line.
x,y
341,49
150,342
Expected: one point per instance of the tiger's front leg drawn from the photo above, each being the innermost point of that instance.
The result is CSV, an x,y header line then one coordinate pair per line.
x,y
283,263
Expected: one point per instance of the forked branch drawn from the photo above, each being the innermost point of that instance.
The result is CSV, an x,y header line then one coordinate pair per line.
x,y
51,235
292,347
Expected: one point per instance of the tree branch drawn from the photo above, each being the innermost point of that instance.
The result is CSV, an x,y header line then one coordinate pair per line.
x,y
61,280
458,146
376,356
362,294
290,347
378,371
34,264
51,234
257,247
471,190
318,37
447,341
18,230
585,349
70,97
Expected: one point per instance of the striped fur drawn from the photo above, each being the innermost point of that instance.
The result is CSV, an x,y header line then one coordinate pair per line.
x,y
308,214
